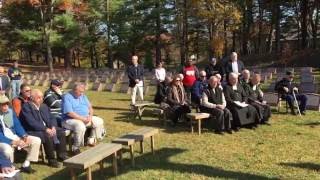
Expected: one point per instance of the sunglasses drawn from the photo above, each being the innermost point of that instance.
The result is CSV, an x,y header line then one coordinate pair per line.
x,y
27,90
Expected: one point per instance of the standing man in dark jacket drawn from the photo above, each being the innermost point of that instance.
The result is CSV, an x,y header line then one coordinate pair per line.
x,y
214,68
4,82
286,88
53,99
234,65
15,76
135,74
37,121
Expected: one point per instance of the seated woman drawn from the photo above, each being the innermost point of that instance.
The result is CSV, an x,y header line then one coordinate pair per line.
x,y
242,112
177,100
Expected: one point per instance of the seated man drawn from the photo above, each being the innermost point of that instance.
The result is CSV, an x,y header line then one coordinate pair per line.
x,y
24,96
37,121
286,88
198,88
245,80
213,102
243,113
7,167
255,98
177,100
13,135
78,115
53,99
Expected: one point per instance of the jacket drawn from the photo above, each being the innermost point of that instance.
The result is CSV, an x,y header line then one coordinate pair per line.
x,y
135,72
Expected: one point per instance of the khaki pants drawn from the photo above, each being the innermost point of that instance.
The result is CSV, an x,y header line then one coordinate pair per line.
x,y
79,129
134,91
32,149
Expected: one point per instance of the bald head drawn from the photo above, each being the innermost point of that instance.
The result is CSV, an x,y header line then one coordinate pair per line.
x,y
246,74
37,97
233,79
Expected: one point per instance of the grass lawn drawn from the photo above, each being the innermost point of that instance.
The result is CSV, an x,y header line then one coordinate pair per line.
x,y
288,149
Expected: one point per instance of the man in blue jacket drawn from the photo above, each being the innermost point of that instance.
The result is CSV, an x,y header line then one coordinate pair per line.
x,y
12,135
199,86
37,121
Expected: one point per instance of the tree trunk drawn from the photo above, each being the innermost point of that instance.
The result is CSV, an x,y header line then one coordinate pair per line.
x,y
158,24
109,56
30,56
225,37
68,58
261,14
304,24
277,26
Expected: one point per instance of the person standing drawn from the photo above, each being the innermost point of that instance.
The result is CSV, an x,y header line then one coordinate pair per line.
x,y
234,65
160,72
214,68
190,75
15,74
4,83
135,74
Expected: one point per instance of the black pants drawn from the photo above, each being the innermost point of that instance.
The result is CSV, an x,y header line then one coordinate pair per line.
x,y
178,111
220,119
50,147
264,111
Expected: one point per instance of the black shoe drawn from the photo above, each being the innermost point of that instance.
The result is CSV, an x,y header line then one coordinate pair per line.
x,y
27,170
303,113
76,152
63,157
54,163
236,129
229,131
266,123
293,113
218,132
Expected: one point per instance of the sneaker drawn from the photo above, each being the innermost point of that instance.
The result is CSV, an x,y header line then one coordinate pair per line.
x,y
63,157
27,170
54,163
91,141
303,113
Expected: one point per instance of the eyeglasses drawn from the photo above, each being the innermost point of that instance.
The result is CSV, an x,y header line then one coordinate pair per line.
x,y
27,90
178,79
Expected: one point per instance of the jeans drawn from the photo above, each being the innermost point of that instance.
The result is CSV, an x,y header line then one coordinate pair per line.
x,y
15,86
301,98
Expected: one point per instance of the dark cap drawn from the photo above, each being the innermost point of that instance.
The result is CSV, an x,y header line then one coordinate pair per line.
x,y
56,82
289,73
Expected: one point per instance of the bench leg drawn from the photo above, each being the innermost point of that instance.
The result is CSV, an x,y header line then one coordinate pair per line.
x,y
132,155
152,144
89,176
199,127
120,157
43,154
101,165
191,124
115,165
140,110
141,147
72,174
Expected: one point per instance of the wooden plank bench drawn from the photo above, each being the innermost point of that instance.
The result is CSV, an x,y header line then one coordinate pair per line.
x,y
141,134
139,108
88,158
126,141
197,117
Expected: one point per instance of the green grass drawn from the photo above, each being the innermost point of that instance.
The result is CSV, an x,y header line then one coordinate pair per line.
x,y
288,149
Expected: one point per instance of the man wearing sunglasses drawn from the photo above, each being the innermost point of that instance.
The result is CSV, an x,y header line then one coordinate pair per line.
x,y
24,96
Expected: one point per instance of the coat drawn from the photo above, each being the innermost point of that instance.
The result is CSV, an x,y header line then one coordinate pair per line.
x,y
135,73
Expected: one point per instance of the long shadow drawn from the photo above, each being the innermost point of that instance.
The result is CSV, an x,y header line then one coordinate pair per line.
x,y
161,161
110,108
303,165
311,124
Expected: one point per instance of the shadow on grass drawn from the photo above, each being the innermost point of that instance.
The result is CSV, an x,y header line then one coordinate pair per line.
x,y
161,161
303,165
311,124
110,108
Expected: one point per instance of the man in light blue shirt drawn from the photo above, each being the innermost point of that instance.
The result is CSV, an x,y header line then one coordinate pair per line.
x,y
78,115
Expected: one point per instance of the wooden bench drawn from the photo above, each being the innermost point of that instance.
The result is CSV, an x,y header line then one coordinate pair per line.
x,y
141,134
126,141
88,158
197,117
139,108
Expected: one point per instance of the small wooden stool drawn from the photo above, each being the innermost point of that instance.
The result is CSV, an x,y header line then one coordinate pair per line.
x,y
197,117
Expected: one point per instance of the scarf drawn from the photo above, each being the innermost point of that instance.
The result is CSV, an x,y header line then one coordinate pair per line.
x,y
178,93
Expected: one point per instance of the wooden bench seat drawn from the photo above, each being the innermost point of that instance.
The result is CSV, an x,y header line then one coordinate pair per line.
x,y
141,134
126,141
197,117
88,158
139,108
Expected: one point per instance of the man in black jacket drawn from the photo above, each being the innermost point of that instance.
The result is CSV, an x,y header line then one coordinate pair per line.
x,y
53,99
234,65
214,68
135,74
37,121
286,88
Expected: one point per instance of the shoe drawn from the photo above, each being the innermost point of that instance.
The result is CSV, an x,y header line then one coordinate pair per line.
x,y
293,113
91,141
218,132
27,170
63,157
76,152
54,163
236,129
303,113
266,123
229,131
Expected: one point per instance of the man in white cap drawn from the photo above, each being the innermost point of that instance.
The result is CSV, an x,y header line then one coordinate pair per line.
x,y
12,135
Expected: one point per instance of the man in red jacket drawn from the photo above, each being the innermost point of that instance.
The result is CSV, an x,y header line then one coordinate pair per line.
x,y
191,74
